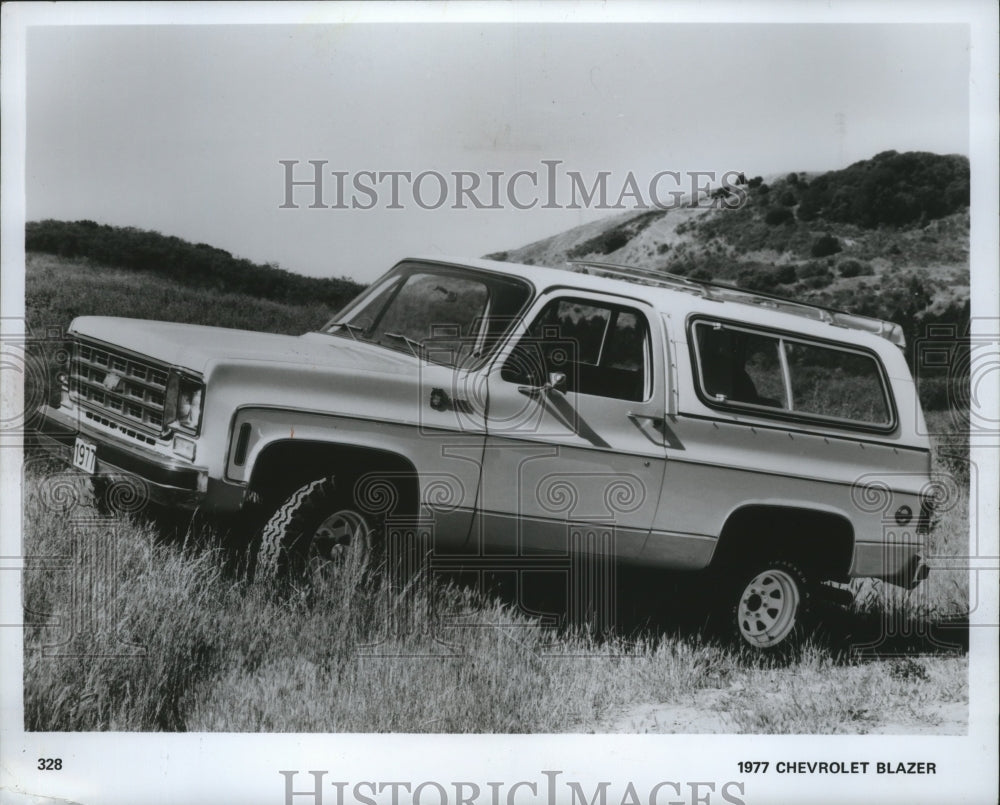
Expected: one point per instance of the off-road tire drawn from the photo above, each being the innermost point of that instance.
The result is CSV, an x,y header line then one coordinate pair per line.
x,y
772,606
312,524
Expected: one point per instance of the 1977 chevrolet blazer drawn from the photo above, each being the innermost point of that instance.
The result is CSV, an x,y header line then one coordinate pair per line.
x,y
506,407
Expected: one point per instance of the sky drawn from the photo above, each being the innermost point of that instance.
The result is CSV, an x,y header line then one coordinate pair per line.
x,y
182,129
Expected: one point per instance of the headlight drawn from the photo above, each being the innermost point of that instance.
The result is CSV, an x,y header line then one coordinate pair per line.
x,y
183,403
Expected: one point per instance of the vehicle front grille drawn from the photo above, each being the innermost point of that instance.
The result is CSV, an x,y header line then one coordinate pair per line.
x,y
126,389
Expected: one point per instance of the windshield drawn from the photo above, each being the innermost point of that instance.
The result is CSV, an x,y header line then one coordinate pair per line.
x,y
448,315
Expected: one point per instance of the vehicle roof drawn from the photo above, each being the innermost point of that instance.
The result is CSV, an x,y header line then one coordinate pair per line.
x,y
681,296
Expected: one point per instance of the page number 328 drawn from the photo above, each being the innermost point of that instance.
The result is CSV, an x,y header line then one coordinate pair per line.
x,y
50,763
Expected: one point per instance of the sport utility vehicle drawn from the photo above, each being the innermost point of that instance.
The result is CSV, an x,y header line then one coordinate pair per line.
x,y
520,414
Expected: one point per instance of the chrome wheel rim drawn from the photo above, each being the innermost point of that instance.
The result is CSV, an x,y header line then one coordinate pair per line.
x,y
768,608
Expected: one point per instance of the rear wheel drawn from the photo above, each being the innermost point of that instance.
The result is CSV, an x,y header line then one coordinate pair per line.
x,y
317,528
771,605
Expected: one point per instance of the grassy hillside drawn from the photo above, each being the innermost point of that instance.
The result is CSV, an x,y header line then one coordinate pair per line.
x,y
59,288
886,237
195,266
823,237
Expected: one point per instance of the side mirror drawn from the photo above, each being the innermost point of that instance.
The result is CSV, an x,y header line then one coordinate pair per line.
x,y
556,382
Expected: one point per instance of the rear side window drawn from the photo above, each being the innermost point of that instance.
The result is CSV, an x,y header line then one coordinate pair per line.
x,y
788,376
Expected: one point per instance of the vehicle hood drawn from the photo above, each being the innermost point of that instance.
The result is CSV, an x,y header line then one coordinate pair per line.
x,y
196,347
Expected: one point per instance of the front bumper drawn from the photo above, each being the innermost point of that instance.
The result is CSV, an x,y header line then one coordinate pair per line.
x,y
168,482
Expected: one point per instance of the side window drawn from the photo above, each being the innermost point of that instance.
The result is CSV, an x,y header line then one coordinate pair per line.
x,y
739,366
836,383
746,367
603,350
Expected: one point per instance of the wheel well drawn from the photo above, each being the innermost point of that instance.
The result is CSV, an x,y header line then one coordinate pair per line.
x,y
821,541
284,466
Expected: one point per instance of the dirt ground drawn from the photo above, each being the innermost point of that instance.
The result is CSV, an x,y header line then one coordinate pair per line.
x,y
708,714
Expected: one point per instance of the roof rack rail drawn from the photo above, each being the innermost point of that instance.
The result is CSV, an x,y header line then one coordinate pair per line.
x,y
648,276
731,293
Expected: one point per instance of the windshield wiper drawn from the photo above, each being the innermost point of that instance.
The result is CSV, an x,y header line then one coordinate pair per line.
x,y
353,330
416,347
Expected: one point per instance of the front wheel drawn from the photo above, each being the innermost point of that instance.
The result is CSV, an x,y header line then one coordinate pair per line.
x,y
319,527
771,606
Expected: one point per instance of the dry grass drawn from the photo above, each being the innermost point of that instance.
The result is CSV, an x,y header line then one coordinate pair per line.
x,y
825,697
57,289
345,654
174,640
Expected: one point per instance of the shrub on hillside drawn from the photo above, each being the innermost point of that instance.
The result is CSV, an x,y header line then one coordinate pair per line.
x,y
784,275
825,246
854,268
758,279
612,240
779,215
807,211
891,189
815,268
818,281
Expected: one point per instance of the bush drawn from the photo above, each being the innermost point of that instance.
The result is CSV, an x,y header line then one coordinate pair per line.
x,y
891,189
825,246
614,239
854,268
818,281
807,211
784,275
814,268
779,215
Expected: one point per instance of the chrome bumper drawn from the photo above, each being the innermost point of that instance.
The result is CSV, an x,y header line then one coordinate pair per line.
x,y
167,482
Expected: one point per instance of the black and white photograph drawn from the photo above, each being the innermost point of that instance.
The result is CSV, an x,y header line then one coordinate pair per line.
x,y
496,403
